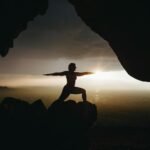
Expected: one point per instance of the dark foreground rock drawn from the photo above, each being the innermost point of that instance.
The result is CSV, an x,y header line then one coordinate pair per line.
x,y
62,126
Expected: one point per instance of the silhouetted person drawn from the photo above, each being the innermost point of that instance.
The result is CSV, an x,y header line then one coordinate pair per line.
x,y
70,88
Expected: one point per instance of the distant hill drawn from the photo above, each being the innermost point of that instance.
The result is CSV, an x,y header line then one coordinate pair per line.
x,y
4,88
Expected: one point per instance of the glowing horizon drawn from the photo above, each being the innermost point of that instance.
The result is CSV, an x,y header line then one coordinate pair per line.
x,y
99,80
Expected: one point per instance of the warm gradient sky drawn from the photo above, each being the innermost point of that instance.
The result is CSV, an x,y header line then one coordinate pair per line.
x,y
56,39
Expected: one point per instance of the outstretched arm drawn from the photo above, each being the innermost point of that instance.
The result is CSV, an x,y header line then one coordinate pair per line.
x,y
56,74
83,73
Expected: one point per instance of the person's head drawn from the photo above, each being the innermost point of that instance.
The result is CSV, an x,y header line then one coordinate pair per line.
x,y
72,67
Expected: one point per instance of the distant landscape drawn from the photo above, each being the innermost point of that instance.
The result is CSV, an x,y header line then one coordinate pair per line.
x,y
123,108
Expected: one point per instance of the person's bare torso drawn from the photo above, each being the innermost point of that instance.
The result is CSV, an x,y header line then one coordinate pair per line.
x,y
71,78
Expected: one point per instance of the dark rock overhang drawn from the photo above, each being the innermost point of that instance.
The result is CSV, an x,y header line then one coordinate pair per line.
x,y
124,25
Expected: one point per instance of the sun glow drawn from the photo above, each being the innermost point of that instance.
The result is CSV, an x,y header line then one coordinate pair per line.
x,y
100,79
97,72
101,75
111,80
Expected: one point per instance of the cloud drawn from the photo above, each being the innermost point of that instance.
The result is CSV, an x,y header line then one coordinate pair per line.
x,y
60,33
56,39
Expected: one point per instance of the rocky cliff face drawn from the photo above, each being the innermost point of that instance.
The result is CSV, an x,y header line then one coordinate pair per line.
x,y
126,26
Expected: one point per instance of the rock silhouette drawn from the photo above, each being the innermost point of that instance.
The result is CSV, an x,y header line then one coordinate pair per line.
x,y
125,25
62,126
15,16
